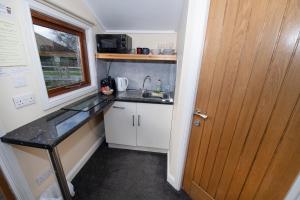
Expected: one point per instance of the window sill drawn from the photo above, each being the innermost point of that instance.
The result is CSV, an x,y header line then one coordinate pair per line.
x,y
51,102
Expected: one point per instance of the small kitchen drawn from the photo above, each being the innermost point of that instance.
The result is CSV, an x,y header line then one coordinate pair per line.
x,y
149,100
125,105
144,91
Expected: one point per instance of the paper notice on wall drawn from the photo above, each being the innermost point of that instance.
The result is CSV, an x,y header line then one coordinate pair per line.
x,y
13,71
11,45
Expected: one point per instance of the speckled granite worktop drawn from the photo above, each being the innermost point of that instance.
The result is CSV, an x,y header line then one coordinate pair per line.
x,y
50,130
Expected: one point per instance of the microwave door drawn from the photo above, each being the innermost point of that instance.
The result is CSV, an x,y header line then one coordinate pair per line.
x,y
109,43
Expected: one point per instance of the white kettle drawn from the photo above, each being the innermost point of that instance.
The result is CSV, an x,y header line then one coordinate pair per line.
x,y
122,83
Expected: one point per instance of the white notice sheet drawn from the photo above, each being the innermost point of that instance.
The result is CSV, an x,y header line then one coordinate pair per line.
x,y
11,45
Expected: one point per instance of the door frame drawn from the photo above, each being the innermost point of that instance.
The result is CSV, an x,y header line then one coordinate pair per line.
x,y
294,193
13,173
190,59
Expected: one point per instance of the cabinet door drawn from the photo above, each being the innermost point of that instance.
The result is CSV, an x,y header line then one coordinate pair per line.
x,y
154,125
120,126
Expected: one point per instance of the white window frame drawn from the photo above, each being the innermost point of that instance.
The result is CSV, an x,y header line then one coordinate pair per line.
x,y
50,102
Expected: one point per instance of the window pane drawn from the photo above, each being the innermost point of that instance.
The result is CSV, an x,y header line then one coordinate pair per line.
x,y
60,57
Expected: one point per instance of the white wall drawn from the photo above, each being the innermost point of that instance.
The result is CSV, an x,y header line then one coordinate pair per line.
x,y
191,37
294,193
74,147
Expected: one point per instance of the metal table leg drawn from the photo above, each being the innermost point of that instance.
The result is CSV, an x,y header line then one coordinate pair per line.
x,y
59,172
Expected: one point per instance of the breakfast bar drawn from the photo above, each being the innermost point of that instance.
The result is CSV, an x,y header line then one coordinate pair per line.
x,y
49,131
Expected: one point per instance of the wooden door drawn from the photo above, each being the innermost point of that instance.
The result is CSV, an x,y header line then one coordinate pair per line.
x,y
5,191
249,146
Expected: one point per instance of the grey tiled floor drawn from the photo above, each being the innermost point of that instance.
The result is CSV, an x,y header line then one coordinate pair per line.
x,y
115,174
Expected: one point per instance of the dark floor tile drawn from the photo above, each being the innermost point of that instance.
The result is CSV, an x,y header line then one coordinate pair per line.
x,y
117,174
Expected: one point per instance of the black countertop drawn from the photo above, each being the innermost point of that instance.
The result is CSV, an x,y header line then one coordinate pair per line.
x,y
50,130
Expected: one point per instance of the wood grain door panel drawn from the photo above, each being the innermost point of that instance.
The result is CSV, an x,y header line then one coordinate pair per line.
x,y
249,87
5,190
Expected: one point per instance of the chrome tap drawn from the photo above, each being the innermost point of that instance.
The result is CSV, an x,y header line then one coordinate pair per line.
x,y
146,77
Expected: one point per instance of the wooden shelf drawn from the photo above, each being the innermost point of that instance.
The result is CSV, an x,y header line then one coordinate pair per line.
x,y
115,56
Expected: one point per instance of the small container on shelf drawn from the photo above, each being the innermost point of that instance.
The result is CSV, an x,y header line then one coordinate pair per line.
x,y
109,92
132,51
106,90
155,51
168,52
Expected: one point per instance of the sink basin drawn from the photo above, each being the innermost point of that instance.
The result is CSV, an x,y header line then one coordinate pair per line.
x,y
150,94
147,95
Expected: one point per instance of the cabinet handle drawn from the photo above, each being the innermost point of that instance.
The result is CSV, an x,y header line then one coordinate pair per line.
x,y
118,107
139,120
132,120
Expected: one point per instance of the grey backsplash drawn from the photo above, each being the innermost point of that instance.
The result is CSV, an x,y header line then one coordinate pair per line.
x,y
136,72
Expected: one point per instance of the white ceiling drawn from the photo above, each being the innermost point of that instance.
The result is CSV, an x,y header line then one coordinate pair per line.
x,y
137,15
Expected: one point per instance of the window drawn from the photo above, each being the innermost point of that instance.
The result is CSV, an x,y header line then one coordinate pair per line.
x,y
63,54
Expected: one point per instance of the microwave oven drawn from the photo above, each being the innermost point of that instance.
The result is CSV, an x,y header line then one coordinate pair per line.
x,y
113,43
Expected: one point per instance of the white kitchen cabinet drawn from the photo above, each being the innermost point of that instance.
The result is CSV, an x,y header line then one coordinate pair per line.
x,y
142,126
154,125
120,124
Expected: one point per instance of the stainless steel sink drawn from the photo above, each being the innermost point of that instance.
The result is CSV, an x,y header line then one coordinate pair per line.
x,y
146,95
150,94
164,97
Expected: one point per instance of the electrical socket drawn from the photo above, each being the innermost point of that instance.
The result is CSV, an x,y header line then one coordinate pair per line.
x,y
23,100
43,177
